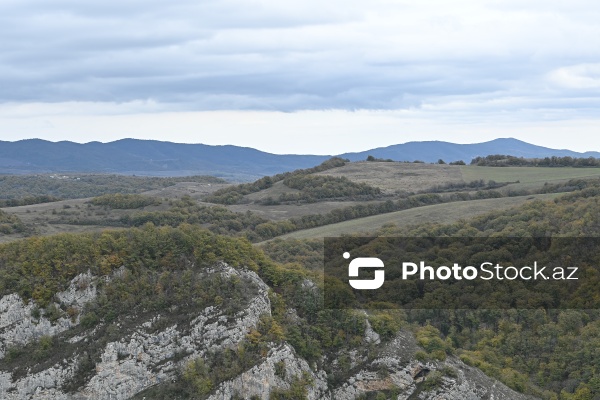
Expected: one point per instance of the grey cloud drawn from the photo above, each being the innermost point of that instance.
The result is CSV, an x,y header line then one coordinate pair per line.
x,y
268,55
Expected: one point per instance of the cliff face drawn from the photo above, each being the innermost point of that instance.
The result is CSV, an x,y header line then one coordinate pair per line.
x,y
150,350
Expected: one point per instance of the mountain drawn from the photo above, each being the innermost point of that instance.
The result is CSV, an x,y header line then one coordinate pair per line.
x,y
434,150
147,157
157,158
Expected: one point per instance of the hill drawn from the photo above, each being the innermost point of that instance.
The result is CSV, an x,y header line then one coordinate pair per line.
x,y
432,151
157,158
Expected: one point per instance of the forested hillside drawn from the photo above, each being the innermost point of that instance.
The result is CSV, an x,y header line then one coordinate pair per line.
x,y
546,353
549,353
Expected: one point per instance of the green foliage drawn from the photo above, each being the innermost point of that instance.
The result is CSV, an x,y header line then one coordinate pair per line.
x,y
280,370
10,223
25,201
298,389
197,375
432,381
125,201
44,346
541,352
371,158
429,338
479,184
39,267
387,323
308,253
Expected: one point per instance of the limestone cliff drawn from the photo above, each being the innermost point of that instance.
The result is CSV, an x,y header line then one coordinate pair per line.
x,y
151,351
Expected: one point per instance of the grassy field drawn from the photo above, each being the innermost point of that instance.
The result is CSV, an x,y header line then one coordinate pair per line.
x,y
439,213
394,177
528,177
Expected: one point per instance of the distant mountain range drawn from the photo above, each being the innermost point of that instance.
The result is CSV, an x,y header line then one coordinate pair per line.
x,y
156,158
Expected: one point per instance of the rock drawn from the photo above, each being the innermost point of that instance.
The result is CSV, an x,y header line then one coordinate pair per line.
x,y
18,326
261,379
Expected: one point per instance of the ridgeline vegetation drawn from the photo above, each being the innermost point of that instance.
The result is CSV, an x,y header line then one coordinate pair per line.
x,y
125,201
499,160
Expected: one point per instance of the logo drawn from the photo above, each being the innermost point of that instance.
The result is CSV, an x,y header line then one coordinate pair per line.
x,y
365,262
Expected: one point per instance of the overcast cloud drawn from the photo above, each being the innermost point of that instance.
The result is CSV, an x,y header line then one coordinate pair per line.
x,y
461,62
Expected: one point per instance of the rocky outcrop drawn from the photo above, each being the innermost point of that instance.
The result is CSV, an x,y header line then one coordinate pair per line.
x,y
152,352
397,371
19,325
407,382
261,379
144,358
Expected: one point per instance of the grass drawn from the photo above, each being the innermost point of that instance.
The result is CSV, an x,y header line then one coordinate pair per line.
x,y
393,177
528,177
439,213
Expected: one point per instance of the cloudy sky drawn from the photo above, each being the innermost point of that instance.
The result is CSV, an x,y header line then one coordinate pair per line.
x,y
320,77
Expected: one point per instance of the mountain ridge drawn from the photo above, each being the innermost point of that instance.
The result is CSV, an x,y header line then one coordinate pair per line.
x,y
163,158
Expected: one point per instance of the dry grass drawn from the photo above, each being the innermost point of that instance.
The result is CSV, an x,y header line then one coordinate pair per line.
x,y
192,189
439,213
393,177
528,177
286,211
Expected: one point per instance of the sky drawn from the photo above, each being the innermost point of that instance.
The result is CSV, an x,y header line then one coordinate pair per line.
x,y
318,77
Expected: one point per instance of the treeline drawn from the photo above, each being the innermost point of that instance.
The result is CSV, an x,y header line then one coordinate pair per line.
x,y
235,194
26,201
125,201
45,187
498,160
255,228
479,184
